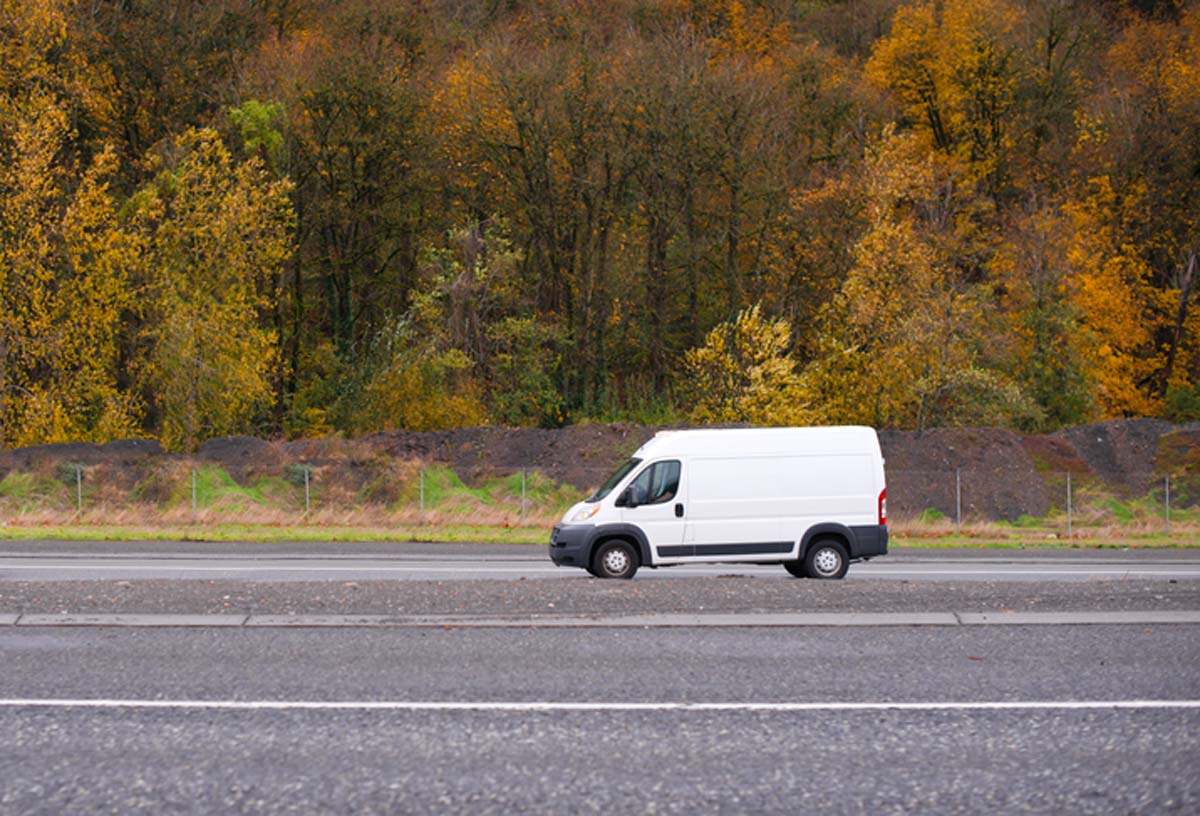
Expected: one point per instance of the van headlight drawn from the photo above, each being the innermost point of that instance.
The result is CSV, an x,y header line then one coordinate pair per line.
x,y
583,514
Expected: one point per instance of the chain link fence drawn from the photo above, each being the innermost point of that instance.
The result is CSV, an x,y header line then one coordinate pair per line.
x,y
301,493
1063,503
398,492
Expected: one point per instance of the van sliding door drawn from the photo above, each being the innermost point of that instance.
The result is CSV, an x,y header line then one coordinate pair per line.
x,y
737,506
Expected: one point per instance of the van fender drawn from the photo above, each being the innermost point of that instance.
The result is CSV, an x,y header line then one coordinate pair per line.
x,y
832,529
632,532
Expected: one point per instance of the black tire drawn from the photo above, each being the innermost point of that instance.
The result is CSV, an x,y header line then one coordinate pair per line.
x,y
795,569
614,559
826,559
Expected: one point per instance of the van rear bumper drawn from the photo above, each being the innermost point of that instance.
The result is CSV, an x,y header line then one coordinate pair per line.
x,y
869,540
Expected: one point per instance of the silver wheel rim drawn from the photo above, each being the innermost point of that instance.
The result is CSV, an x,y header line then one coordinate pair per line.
x,y
827,561
615,561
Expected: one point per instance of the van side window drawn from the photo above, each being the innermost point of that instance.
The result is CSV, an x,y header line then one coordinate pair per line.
x,y
656,484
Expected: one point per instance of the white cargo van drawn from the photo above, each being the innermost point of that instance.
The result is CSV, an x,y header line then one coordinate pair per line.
x,y
811,499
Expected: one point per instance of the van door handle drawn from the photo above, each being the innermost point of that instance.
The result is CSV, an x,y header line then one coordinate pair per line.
x,y
678,511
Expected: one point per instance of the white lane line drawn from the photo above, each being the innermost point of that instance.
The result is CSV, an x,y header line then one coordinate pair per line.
x,y
268,568
536,706
951,570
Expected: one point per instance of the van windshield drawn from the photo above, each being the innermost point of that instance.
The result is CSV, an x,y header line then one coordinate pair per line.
x,y
613,480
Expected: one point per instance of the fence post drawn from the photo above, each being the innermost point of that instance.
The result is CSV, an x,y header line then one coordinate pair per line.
x,y
1167,500
421,480
307,504
522,496
958,500
79,492
1068,505
193,495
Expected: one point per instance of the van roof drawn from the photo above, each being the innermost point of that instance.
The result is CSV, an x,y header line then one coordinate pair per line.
x,y
760,441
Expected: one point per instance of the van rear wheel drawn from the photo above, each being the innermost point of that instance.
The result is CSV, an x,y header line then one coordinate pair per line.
x,y
826,559
614,559
795,569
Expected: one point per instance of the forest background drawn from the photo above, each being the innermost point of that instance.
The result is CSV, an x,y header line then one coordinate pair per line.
x,y
305,217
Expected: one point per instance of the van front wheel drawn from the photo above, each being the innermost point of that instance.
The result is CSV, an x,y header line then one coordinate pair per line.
x,y
826,559
614,559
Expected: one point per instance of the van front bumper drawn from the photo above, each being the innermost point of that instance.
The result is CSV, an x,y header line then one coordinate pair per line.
x,y
569,544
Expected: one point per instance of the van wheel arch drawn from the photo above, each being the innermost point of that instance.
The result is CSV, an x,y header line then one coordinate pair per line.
x,y
820,532
628,533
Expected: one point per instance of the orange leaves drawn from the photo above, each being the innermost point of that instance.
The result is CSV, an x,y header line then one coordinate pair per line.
x,y
466,110
955,72
753,37
1117,304
1159,60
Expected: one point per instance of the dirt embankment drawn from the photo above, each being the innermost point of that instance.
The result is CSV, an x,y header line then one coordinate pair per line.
x,y
999,474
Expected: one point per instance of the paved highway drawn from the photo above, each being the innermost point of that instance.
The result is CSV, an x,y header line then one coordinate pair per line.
x,y
1095,719
288,562
266,678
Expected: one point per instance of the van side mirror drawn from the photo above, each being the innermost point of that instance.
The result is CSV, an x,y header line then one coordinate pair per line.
x,y
625,499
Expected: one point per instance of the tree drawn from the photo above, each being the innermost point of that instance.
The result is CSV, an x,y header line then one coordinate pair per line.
x,y
1118,306
1136,210
955,69
1039,336
744,373
216,235
901,343
63,254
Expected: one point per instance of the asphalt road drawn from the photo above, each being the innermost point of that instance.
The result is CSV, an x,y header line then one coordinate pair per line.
x,y
455,716
384,754
33,561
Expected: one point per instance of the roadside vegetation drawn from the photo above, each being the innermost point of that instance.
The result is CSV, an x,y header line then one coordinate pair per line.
x,y
332,218
978,536
435,504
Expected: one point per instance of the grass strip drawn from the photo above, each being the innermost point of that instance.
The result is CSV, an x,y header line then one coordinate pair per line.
x,y
271,533
483,534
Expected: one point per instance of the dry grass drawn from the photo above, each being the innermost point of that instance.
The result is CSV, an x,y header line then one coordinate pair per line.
x,y
363,516
1141,532
367,524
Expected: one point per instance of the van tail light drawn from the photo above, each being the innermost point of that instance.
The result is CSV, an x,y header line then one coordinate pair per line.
x,y
883,507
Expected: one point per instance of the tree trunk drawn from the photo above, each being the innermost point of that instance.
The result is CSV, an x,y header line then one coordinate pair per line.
x,y
3,385
1185,295
731,251
693,274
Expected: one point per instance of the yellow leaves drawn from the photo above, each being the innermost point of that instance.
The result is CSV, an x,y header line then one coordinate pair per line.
x,y
899,344
470,101
744,373
953,68
1117,304
899,170
422,391
1160,59
217,234
62,277
751,36
904,61
29,30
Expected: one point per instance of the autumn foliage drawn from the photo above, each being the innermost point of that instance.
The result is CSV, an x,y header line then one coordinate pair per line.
x,y
314,217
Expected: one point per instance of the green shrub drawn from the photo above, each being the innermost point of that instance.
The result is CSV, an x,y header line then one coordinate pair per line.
x,y
930,515
1122,511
